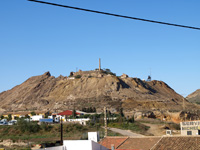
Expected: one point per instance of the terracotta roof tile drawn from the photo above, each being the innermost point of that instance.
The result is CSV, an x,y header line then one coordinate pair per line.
x,y
153,143
67,113
144,143
178,143
109,141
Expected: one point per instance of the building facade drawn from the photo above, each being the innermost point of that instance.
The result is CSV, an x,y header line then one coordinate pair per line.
x,y
190,127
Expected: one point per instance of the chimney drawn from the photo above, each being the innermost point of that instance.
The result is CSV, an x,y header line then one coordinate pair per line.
x,y
112,147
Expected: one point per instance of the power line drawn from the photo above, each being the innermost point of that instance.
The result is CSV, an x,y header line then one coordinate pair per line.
x,y
116,15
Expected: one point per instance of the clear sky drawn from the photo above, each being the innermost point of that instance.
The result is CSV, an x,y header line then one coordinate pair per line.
x,y
35,38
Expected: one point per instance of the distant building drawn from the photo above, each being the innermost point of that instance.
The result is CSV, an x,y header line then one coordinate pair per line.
x,y
149,78
21,114
190,127
82,121
67,113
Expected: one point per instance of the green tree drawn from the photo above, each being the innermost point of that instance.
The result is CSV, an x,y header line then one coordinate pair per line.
x,y
131,120
27,116
74,113
121,112
33,113
2,116
47,114
16,118
78,76
9,117
94,109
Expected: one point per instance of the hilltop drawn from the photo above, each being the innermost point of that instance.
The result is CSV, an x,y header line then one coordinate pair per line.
x,y
92,89
194,97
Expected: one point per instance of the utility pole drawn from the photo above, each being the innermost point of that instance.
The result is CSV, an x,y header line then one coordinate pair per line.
x,y
105,119
61,132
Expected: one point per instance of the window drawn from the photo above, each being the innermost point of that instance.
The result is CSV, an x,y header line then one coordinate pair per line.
x,y
189,132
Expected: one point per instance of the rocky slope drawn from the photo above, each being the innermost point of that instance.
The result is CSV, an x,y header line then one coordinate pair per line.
x,y
92,89
194,97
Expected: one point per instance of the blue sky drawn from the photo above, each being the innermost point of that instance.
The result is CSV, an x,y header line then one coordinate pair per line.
x,y
35,38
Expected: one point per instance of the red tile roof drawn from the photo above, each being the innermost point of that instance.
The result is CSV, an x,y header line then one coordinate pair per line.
x,y
153,143
178,143
67,113
109,141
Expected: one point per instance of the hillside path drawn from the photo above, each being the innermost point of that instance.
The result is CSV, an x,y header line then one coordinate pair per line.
x,y
124,132
155,129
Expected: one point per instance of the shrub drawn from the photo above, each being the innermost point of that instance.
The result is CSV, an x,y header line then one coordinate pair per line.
x,y
2,117
27,126
9,117
46,127
33,113
74,127
77,76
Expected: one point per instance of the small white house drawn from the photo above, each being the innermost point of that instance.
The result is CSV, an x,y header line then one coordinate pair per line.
x,y
90,144
37,117
82,145
82,121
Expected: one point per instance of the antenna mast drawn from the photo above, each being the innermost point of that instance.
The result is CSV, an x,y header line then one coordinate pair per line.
x,y
99,64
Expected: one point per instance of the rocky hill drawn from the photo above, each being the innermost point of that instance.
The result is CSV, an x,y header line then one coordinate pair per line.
x,y
92,89
194,97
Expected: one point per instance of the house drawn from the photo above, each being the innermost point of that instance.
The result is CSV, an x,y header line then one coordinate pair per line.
x,y
190,127
90,144
67,113
78,145
82,121
21,114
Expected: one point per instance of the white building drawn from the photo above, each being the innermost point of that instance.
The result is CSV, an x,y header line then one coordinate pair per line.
x,y
37,117
190,127
77,145
82,121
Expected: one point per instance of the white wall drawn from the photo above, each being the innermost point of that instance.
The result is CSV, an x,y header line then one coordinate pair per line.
x,y
55,148
94,136
37,117
82,145
78,144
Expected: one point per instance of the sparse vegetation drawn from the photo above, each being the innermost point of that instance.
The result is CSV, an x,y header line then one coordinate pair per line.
x,y
2,117
9,117
77,76
135,127
108,71
27,126
33,113
49,132
89,109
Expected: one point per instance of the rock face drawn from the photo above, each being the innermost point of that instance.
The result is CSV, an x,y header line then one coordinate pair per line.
x,y
194,97
91,89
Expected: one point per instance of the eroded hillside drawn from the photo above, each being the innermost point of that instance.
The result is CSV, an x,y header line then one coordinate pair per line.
x,y
91,89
